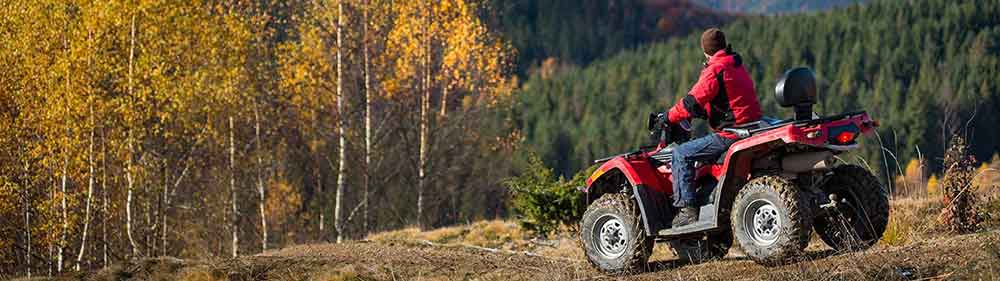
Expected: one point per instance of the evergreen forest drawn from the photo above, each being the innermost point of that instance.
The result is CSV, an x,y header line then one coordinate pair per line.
x,y
928,70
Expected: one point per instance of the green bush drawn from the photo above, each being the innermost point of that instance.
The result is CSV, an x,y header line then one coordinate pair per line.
x,y
543,203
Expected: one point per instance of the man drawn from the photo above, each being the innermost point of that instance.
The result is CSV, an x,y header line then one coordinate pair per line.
x,y
724,95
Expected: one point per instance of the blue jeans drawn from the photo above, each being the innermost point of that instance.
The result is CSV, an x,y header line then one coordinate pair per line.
x,y
705,149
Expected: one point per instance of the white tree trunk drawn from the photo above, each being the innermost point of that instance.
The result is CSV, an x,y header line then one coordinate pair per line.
x,y
27,225
322,197
52,236
149,244
260,179
163,209
444,101
341,120
232,188
422,170
130,186
65,170
424,108
368,121
104,199
129,178
90,192
65,214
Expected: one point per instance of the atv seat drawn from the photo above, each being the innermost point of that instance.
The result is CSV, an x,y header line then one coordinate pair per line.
x,y
667,156
771,121
746,130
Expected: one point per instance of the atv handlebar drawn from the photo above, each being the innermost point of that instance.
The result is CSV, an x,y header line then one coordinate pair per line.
x,y
662,132
657,124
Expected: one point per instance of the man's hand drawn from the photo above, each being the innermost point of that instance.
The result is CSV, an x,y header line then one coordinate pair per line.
x,y
680,132
661,118
657,121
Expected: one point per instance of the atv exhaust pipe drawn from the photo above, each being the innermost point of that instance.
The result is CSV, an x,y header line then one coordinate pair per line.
x,y
807,162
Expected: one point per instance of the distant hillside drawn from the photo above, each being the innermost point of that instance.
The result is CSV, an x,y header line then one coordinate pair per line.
x,y
774,6
578,32
923,67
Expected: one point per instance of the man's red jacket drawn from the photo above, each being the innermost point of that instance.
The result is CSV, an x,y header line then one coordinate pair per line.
x,y
724,95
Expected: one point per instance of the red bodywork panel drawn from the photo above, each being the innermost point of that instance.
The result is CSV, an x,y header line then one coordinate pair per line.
x,y
637,168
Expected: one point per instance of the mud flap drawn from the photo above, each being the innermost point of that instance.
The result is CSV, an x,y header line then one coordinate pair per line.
x,y
654,207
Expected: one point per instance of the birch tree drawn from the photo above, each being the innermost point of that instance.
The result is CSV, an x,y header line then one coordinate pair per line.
x,y
232,190
409,48
309,72
130,138
341,123
437,47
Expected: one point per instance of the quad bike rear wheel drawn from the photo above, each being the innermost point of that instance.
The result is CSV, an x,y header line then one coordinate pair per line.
x,y
771,220
613,238
713,246
861,213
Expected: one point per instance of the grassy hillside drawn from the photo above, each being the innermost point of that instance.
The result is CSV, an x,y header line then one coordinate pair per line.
x,y
927,69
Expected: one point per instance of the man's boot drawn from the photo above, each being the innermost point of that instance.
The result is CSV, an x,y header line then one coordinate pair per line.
x,y
685,216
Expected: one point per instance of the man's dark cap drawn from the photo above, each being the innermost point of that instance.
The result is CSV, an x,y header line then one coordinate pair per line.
x,y
712,41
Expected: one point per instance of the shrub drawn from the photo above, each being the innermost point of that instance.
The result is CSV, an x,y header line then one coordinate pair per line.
x,y
896,233
493,234
933,187
541,202
912,180
990,210
960,212
490,234
909,220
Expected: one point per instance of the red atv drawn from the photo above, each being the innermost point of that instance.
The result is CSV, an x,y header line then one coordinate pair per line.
x,y
769,191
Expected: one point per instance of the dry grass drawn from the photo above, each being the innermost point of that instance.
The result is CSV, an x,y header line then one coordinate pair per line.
x,y
337,275
914,247
916,218
490,234
200,274
911,219
990,208
494,234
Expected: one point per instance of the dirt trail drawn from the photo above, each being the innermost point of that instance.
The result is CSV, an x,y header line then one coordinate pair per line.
x,y
966,257
413,259
975,256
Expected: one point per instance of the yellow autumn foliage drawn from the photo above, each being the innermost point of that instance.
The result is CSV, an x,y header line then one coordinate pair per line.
x,y
912,181
115,117
987,176
933,187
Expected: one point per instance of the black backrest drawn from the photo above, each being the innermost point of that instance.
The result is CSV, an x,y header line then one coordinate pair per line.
x,y
797,88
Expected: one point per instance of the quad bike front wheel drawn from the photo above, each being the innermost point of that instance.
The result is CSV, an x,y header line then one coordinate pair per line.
x,y
613,238
771,220
712,246
861,212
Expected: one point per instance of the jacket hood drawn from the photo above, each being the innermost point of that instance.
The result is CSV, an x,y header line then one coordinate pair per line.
x,y
726,57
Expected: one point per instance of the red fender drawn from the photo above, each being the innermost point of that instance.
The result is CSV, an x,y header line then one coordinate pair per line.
x,y
638,172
